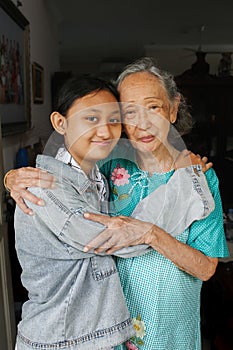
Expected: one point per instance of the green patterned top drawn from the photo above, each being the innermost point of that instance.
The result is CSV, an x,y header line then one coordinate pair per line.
x,y
163,300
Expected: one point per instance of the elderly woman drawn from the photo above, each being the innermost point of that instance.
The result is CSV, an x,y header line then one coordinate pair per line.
x,y
162,288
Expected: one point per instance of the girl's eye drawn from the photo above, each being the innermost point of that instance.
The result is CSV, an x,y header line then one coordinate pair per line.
x,y
114,120
91,118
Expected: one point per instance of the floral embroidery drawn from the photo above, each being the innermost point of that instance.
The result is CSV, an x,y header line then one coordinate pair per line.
x,y
120,176
139,327
130,346
136,342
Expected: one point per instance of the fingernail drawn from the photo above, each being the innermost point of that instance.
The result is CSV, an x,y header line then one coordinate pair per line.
x,y
85,249
86,215
31,213
41,202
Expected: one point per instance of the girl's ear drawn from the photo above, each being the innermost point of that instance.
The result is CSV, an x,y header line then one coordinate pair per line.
x,y
58,122
174,110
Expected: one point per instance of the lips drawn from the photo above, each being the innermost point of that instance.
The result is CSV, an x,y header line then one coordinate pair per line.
x,y
102,143
146,139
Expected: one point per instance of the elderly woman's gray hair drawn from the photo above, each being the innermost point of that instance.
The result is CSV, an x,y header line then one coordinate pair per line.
x,y
183,123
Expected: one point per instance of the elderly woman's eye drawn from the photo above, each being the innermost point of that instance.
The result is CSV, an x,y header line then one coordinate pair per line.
x,y
153,107
129,113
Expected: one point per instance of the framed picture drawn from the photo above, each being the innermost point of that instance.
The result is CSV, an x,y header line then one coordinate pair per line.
x,y
15,111
37,83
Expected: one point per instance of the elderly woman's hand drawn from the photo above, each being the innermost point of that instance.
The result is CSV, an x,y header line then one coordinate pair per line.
x,y
17,181
187,158
120,232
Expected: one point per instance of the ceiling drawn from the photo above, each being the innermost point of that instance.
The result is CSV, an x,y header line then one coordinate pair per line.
x,y
115,33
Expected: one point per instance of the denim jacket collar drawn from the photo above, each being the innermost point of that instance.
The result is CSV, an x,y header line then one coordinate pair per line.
x,y
81,182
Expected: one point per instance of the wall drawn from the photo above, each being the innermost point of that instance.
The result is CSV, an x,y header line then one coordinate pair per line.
x,y
44,49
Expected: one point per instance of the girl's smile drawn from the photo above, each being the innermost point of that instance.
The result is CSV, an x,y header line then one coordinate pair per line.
x,y
91,128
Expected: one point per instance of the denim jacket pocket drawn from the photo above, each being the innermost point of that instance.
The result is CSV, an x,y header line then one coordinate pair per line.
x,y
102,267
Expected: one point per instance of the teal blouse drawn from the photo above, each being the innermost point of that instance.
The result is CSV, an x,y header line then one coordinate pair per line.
x,y
164,301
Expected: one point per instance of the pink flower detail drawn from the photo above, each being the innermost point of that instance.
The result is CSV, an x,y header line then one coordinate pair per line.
x,y
120,176
130,346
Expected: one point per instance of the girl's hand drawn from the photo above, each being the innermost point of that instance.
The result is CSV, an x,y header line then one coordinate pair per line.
x,y
187,158
120,232
17,181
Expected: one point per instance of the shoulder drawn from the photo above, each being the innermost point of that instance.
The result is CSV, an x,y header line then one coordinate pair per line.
x,y
207,235
211,175
212,180
63,172
50,164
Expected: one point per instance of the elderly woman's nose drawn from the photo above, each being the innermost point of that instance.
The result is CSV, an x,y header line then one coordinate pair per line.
x,y
143,120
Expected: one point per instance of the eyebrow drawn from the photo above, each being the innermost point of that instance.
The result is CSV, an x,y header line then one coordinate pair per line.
x,y
146,98
152,97
91,109
85,111
116,112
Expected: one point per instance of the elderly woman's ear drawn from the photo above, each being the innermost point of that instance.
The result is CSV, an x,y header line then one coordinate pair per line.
x,y
174,110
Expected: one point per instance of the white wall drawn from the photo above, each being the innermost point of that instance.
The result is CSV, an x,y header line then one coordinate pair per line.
x,y
44,49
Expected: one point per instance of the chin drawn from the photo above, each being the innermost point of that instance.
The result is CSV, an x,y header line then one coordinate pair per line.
x,y
100,156
144,148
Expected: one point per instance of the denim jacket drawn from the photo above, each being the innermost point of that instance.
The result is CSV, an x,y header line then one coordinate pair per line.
x,y
75,298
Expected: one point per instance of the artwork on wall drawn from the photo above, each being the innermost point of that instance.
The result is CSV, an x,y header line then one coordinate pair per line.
x,y
14,69
37,83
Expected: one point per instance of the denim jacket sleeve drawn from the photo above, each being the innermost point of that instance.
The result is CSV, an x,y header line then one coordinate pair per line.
x,y
174,206
63,212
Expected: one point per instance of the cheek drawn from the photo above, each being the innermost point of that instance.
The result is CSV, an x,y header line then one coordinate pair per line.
x,y
74,135
78,144
129,130
165,126
161,123
117,132
115,135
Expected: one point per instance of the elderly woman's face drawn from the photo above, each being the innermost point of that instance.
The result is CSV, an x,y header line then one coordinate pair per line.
x,y
146,110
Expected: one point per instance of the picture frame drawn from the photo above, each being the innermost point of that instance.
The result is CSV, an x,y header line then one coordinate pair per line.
x,y
15,110
37,83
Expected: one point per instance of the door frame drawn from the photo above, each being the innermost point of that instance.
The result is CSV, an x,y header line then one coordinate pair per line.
x,y
8,314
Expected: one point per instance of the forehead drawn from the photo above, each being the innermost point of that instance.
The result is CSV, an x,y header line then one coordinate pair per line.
x,y
99,100
141,84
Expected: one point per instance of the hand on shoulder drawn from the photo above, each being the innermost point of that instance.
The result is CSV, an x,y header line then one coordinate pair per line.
x,y
187,158
17,181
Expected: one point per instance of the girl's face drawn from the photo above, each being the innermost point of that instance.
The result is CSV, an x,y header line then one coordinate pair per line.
x,y
146,111
91,128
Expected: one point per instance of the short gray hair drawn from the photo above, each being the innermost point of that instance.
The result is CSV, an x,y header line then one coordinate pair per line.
x,y
183,123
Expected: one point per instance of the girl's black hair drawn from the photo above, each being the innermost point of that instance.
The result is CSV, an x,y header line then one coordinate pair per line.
x,y
77,87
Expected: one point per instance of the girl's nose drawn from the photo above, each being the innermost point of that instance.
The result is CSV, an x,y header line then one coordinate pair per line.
x,y
103,130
